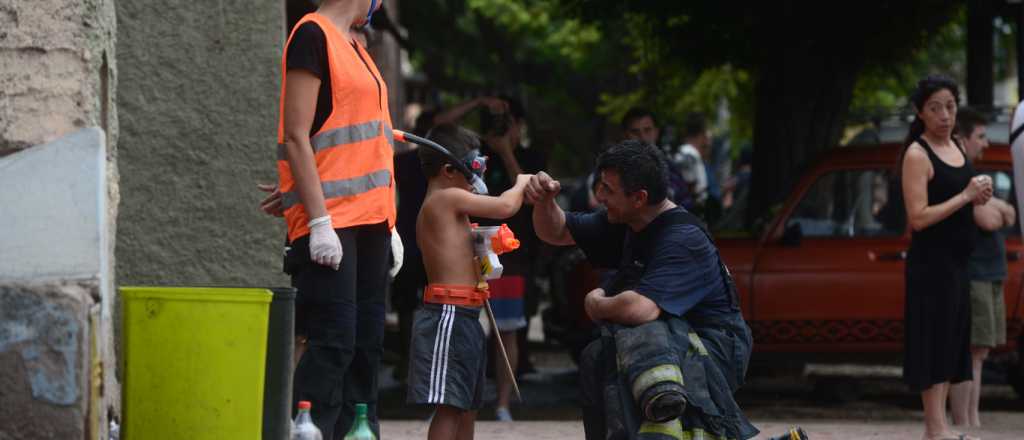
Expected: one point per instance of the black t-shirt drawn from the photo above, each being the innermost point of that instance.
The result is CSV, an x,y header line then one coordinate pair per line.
x,y
681,274
308,50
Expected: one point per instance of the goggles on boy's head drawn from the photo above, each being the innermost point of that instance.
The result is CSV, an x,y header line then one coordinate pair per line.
x,y
476,162
477,165
472,166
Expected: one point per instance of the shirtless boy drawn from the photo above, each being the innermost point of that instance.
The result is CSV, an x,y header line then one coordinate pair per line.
x,y
447,358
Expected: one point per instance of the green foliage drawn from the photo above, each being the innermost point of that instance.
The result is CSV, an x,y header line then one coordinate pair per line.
x,y
587,61
539,31
883,87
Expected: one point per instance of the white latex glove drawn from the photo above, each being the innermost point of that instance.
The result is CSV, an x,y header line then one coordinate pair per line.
x,y
324,246
397,253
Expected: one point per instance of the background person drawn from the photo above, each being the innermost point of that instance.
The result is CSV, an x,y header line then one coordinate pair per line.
x,y
939,189
640,124
986,268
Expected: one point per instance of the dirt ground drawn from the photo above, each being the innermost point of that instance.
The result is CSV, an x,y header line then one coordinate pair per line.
x,y
1001,426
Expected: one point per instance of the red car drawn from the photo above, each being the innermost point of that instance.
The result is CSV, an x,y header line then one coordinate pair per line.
x,y
825,278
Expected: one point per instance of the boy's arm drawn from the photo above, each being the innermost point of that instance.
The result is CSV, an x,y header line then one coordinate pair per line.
x,y
501,207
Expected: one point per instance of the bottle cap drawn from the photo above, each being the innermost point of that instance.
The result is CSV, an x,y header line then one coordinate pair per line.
x,y
305,404
360,409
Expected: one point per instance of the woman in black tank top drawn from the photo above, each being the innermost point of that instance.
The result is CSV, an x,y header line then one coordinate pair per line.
x,y
940,189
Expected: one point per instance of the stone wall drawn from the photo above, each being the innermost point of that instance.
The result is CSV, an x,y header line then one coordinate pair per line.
x,y
198,103
57,76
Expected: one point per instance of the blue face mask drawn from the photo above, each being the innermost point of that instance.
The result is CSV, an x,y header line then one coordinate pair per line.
x,y
369,14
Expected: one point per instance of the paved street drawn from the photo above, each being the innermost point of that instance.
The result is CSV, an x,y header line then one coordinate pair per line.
x,y
774,401
1004,426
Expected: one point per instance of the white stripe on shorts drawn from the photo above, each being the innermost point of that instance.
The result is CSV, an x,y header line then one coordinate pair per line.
x,y
439,363
444,354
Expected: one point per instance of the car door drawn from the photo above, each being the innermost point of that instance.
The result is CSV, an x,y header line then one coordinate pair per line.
x,y
832,281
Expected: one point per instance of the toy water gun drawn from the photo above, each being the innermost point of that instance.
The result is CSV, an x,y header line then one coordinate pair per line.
x,y
488,243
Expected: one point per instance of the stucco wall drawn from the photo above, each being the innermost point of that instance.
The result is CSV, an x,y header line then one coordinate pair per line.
x,y
57,70
198,98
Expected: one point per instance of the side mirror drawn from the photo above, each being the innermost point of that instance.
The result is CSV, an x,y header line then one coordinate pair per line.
x,y
792,235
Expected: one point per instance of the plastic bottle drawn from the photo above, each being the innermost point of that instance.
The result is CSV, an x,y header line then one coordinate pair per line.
x,y
361,428
303,427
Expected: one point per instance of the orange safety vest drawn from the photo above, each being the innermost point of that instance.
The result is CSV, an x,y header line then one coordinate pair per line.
x,y
353,150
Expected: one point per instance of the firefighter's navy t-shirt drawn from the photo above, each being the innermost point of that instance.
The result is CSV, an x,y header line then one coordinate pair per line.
x,y
682,274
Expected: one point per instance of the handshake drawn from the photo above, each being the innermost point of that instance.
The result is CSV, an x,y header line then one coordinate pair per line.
x,y
541,189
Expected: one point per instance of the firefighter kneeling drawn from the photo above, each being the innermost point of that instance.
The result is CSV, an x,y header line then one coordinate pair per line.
x,y
674,346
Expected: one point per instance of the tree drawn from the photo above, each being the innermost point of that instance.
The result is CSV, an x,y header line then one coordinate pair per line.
x,y
789,70
474,46
805,58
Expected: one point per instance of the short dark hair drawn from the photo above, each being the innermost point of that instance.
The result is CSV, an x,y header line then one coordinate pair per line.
x,y
637,113
695,125
641,166
967,119
457,140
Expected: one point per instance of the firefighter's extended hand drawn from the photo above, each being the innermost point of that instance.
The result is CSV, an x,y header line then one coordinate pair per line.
x,y
324,245
397,253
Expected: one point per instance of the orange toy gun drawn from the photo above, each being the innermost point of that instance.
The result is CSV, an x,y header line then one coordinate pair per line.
x,y
488,243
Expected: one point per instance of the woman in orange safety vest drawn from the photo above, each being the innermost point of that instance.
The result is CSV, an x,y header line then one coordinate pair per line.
x,y
335,169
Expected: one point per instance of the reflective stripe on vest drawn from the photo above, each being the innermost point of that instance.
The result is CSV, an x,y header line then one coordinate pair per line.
x,y
344,187
342,136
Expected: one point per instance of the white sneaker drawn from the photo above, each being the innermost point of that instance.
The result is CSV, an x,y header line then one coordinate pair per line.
x,y
502,414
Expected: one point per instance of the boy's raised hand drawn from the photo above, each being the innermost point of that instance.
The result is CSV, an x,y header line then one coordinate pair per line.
x,y
541,188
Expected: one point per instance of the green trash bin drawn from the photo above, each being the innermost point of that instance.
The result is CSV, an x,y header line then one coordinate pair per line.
x,y
194,362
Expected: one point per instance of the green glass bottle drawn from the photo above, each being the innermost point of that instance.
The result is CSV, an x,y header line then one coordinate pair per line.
x,y
361,428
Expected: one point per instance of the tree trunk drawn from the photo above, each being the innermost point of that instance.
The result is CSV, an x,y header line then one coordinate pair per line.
x,y
802,96
980,93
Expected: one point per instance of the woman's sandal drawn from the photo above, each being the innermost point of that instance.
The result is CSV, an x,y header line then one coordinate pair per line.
x,y
959,437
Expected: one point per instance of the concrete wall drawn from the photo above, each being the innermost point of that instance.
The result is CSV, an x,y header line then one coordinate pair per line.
x,y
57,75
198,101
